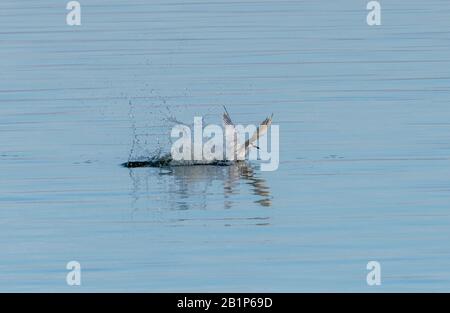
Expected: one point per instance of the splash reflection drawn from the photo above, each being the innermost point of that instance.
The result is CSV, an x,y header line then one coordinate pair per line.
x,y
198,187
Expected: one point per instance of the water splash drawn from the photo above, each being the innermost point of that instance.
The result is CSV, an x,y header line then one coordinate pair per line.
x,y
152,149
146,146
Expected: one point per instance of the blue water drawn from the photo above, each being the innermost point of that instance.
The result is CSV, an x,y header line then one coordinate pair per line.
x,y
365,146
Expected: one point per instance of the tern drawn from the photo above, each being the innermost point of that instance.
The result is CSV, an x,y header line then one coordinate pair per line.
x,y
242,150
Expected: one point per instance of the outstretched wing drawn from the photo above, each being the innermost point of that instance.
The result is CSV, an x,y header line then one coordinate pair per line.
x,y
230,133
261,130
227,118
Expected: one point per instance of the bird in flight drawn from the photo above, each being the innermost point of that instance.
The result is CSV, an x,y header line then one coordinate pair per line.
x,y
242,150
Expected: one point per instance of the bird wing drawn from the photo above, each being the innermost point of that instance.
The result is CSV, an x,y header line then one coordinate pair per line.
x,y
227,118
230,131
261,130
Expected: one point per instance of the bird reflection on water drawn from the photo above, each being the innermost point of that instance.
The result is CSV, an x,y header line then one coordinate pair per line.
x,y
197,187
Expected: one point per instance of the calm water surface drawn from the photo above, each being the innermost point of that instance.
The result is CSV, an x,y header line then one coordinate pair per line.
x,y
364,115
